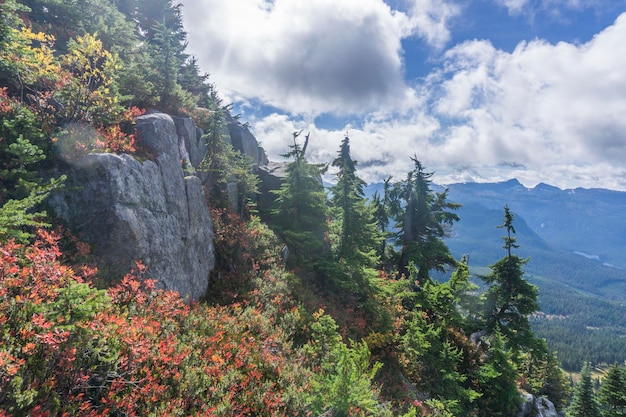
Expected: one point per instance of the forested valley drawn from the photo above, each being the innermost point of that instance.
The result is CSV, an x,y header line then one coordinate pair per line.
x,y
320,304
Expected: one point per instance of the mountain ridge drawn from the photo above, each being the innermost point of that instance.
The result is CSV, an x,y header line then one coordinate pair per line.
x,y
584,220
573,241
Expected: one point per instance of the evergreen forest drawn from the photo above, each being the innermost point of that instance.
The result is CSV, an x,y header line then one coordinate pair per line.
x,y
322,304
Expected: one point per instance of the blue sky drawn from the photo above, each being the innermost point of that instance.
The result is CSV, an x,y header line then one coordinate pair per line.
x,y
478,90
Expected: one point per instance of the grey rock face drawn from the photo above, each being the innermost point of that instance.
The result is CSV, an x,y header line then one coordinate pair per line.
x,y
271,177
149,211
190,140
242,140
537,407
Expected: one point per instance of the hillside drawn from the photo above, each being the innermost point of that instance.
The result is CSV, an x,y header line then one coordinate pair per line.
x,y
154,262
574,240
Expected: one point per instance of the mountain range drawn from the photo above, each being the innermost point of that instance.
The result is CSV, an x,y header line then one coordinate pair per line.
x,y
574,241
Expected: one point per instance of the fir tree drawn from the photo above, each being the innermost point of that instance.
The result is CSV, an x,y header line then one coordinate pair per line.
x,y
358,238
300,211
423,221
612,393
510,299
584,403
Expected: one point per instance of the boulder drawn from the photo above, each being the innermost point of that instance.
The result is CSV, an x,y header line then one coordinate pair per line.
x,y
149,210
537,407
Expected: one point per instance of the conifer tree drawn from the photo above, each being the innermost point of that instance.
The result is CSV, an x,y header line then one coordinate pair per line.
x,y
423,221
464,301
439,357
612,393
542,375
510,299
584,403
300,211
381,206
160,24
358,237
497,379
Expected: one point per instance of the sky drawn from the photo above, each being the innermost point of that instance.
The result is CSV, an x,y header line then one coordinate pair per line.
x,y
477,90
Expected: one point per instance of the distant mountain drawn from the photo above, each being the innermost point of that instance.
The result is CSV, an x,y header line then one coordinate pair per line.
x,y
576,243
576,237
588,222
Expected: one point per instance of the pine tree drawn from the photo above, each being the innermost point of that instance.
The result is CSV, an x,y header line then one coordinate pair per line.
x,y
612,393
510,299
584,403
423,222
358,238
300,211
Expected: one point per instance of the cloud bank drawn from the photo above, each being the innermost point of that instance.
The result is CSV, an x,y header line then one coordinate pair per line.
x,y
557,109
310,57
542,113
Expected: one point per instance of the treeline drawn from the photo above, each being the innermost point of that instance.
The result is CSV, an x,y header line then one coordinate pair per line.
x,y
579,326
583,315
576,343
607,401
469,352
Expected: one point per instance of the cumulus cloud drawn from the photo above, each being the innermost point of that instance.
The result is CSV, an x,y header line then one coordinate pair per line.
x,y
307,57
312,57
548,107
542,113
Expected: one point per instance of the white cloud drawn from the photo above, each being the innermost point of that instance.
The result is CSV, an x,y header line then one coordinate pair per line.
x,y
312,57
380,148
557,109
430,20
308,57
543,113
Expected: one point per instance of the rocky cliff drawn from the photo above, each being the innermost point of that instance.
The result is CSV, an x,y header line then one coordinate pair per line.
x,y
270,173
152,210
538,407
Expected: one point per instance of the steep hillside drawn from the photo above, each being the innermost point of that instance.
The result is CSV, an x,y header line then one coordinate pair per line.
x,y
582,298
154,262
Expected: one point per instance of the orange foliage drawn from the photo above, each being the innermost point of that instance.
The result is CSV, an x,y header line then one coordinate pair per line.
x,y
69,349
